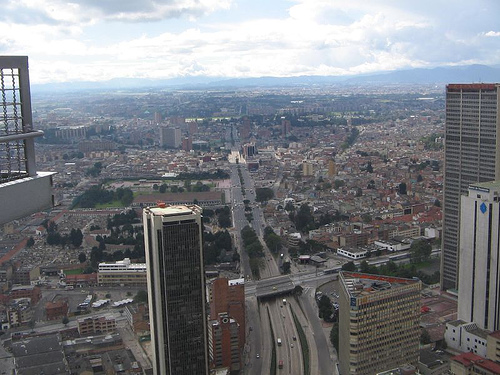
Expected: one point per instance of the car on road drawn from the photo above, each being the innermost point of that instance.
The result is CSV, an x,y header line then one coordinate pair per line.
x,y
257,356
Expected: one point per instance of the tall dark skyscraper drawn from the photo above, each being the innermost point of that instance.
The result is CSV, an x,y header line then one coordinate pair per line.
x,y
471,156
176,287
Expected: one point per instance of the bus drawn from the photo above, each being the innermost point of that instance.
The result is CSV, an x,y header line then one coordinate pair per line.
x,y
399,256
332,270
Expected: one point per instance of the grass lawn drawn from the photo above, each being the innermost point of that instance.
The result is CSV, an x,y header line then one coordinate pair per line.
x,y
111,204
77,271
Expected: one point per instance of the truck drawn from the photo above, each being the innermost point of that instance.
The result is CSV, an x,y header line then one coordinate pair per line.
x,y
279,341
280,364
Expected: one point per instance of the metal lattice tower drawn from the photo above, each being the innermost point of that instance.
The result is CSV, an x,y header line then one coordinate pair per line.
x,y
17,152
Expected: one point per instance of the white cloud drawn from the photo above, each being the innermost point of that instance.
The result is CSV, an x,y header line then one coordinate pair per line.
x,y
313,37
492,33
91,11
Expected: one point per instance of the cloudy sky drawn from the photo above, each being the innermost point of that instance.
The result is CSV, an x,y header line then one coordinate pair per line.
x,y
95,40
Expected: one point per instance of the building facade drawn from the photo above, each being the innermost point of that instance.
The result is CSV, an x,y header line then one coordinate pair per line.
x,y
96,325
471,156
479,294
224,348
170,137
378,323
228,297
122,272
176,287
466,337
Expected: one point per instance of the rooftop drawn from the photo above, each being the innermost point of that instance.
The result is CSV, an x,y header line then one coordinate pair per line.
x,y
470,359
489,185
174,210
363,284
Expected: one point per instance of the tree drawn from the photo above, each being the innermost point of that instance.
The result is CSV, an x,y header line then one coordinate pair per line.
x,y
364,267
420,251
420,178
325,309
369,167
263,194
163,188
402,188
425,338
304,219
53,238
82,257
141,297
367,218
30,242
334,336
224,217
349,266
338,184
286,268
76,237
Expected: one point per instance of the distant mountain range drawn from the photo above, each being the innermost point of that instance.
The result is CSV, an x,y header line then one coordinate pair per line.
x,y
440,75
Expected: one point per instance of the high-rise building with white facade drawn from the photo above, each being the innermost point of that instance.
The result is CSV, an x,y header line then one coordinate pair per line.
x,y
471,155
23,190
176,288
479,291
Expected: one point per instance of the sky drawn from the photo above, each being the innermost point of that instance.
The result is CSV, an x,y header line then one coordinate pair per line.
x,y
97,40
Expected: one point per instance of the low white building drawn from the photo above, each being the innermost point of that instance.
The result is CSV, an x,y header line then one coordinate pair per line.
x,y
466,337
391,245
352,253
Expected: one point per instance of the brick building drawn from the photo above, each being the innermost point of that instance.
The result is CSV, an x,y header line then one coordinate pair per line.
x,y
56,309
96,325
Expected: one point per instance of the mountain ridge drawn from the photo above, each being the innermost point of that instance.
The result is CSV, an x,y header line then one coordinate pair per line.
x,y
437,75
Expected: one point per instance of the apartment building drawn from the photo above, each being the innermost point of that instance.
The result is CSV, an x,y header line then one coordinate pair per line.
x,y
378,323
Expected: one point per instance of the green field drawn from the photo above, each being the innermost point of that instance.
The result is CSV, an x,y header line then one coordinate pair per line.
x,y
112,204
77,271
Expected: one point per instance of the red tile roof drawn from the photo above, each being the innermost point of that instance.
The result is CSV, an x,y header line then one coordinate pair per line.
x,y
470,359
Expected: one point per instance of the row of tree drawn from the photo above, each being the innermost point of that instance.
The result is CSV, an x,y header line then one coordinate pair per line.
x,y
198,187
253,248
74,238
224,217
272,240
98,195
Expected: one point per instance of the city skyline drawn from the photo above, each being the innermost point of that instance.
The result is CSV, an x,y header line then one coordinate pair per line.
x,y
166,39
